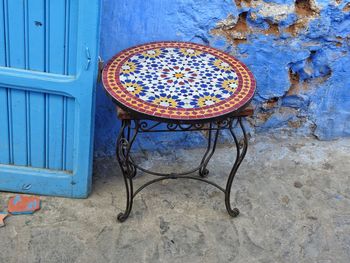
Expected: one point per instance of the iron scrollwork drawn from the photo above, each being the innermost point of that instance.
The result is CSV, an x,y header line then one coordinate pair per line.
x,y
129,132
156,126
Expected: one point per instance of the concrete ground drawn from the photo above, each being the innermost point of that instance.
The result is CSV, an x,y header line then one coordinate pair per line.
x,y
293,194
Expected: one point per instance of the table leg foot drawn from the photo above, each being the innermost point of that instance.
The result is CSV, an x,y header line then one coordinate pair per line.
x,y
203,171
241,150
124,144
129,200
122,217
233,212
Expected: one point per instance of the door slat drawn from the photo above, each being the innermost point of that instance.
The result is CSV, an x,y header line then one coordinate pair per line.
x,y
16,43
19,131
4,128
37,129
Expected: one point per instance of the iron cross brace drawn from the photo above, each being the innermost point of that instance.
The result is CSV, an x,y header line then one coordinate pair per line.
x,y
132,127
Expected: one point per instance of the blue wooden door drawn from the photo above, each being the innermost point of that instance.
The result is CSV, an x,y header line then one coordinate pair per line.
x,y
48,69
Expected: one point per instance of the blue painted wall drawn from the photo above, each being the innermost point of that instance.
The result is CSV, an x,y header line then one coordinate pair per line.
x,y
298,51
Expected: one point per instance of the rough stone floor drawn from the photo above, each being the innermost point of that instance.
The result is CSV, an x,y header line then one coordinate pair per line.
x,y
293,193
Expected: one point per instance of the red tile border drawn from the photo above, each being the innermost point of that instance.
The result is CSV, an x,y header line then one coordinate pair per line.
x,y
117,91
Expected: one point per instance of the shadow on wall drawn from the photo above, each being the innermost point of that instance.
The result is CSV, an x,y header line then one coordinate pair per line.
x,y
298,51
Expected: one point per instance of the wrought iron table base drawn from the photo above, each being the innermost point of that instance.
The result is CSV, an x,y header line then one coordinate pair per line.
x,y
131,128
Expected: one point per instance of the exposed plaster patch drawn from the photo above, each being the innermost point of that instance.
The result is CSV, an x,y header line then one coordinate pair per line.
x,y
260,118
270,104
305,8
264,116
338,41
278,116
274,16
346,8
228,23
273,29
299,84
296,124
277,12
269,18
241,26
240,3
290,108
295,85
307,37
295,28
236,33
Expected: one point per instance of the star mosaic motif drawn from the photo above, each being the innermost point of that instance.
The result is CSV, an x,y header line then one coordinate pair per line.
x,y
178,80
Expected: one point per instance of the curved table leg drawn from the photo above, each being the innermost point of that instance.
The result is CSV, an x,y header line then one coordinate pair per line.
x,y
123,148
129,169
203,171
240,154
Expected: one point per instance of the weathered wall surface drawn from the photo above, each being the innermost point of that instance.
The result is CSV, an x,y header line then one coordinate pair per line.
x,y
297,49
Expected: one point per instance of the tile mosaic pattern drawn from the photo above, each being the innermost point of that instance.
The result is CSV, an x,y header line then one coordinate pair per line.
x,y
178,80
21,204
3,215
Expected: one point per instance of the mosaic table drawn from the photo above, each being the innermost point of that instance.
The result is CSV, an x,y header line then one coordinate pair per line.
x,y
178,86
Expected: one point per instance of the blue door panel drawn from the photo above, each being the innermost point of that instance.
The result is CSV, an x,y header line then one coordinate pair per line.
x,y
57,37
69,134
4,131
55,132
48,69
35,37
2,35
15,33
45,182
19,135
37,129
39,35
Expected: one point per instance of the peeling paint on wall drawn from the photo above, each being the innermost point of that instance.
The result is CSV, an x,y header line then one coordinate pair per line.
x,y
297,49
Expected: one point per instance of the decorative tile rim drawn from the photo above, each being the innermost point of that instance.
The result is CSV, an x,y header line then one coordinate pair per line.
x,y
126,100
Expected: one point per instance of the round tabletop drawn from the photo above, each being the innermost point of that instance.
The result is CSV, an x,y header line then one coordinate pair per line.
x,y
178,81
